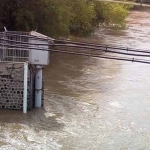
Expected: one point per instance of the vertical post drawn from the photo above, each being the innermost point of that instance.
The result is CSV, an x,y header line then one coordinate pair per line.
x,y
38,87
25,88
141,2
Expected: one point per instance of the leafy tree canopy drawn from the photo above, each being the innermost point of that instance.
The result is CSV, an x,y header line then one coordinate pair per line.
x,y
59,17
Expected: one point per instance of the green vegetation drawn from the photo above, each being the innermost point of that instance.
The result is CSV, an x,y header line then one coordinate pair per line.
x,y
60,17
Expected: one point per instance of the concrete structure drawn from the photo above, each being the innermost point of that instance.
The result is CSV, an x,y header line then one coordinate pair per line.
x,y
22,57
12,86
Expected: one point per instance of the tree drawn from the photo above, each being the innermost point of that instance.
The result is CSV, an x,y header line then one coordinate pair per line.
x,y
111,13
83,16
59,17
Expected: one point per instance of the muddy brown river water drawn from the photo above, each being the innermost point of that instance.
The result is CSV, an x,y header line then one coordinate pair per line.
x,y
90,104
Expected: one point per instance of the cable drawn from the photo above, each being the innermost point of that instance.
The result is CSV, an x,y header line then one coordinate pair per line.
x,y
79,43
100,56
103,46
105,50
86,44
75,46
107,57
20,45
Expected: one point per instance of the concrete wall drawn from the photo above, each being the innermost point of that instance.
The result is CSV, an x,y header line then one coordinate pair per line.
x,y
12,85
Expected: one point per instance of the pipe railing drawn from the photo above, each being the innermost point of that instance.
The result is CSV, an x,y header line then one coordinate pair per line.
x,y
18,49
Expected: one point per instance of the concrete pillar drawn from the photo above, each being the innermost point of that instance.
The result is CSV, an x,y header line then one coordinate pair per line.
x,y
38,87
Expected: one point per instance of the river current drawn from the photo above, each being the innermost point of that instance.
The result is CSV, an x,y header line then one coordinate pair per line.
x,y
90,104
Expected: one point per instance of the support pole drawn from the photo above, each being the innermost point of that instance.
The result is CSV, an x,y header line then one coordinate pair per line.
x,y
38,87
25,88
141,2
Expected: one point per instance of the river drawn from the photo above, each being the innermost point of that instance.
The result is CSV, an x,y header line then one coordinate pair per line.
x,y
90,104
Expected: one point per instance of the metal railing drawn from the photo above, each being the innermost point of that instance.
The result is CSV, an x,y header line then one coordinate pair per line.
x,y
16,46
12,54
9,53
